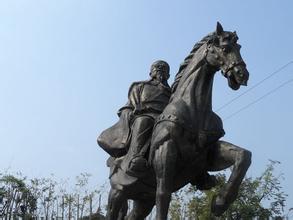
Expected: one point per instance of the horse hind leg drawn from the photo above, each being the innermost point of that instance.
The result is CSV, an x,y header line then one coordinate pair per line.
x,y
141,209
116,202
223,155
164,163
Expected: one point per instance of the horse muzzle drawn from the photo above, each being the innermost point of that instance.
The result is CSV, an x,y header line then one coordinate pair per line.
x,y
237,76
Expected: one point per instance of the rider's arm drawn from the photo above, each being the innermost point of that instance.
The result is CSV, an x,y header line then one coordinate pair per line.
x,y
133,104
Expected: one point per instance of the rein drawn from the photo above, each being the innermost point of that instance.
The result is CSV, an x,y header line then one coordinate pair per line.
x,y
232,65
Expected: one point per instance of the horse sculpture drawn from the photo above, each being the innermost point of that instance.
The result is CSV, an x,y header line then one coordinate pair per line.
x,y
185,140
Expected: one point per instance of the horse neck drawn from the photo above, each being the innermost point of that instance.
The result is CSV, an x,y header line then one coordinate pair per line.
x,y
195,86
197,89
203,88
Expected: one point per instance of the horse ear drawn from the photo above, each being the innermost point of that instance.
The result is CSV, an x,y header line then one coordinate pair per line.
x,y
235,37
219,29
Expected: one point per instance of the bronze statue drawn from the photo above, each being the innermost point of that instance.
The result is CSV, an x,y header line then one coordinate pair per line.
x,y
185,137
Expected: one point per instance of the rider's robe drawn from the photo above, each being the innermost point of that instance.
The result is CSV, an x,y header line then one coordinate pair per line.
x,y
144,98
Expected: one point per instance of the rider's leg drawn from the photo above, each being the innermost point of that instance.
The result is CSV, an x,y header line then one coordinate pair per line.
x,y
164,163
141,209
140,138
221,156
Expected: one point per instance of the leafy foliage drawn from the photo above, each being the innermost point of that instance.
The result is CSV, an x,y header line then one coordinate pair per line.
x,y
261,197
46,197
16,197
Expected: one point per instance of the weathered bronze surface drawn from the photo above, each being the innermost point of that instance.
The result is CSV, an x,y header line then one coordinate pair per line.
x,y
169,137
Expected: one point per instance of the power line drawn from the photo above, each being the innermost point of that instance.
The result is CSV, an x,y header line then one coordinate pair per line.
x,y
260,98
257,84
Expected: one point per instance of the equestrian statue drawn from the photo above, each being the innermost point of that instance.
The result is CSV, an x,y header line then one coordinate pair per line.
x,y
168,137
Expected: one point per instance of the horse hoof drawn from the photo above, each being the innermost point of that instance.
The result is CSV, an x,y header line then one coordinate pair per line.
x,y
218,206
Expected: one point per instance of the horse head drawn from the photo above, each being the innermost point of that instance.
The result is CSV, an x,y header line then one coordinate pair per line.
x,y
223,53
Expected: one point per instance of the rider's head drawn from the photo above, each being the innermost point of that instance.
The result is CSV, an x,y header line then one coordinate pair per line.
x,y
160,70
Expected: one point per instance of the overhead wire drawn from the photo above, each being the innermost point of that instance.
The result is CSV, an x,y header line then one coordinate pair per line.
x,y
254,86
259,99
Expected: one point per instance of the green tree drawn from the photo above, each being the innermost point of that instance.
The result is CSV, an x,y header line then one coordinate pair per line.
x,y
16,197
44,190
82,193
176,206
261,197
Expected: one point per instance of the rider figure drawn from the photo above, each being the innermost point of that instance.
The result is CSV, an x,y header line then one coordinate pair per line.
x,y
146,100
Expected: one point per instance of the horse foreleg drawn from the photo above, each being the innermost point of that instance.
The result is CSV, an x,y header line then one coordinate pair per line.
x,y
123,210
221,156
116,201
164,165
141,209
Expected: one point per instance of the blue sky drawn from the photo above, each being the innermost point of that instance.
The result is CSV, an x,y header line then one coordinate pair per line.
x,y
66,66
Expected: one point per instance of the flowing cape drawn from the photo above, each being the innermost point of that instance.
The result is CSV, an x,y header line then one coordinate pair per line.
x,y
114,140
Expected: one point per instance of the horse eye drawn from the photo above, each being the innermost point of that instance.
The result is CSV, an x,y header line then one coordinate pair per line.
x,y
227,38
235,38
226,48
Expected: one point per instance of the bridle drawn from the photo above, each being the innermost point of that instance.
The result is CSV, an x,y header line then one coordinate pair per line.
x,y
227,68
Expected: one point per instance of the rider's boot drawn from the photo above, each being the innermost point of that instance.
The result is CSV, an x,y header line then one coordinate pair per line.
x,y
138,164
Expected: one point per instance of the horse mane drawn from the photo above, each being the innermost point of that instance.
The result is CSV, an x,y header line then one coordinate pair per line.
x,y
189,57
